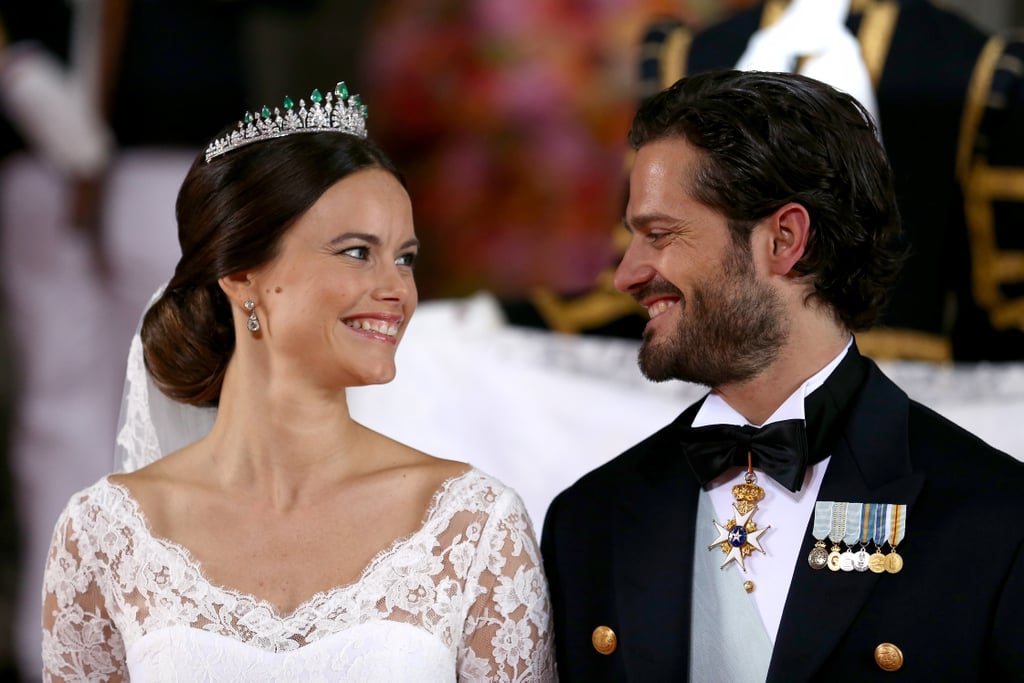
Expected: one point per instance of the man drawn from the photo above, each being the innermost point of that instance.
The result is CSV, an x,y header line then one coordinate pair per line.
x,y
764,233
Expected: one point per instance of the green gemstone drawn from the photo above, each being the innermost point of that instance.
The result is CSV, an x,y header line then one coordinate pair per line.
x,y
356,101
316,97
288,104
366,112
265,113
248,118
342,90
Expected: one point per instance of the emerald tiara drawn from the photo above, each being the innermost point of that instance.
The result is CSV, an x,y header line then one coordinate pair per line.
x,y
336,112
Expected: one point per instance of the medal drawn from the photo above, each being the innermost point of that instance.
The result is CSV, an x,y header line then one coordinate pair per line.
x,y
851,528
861,557
861,560
838,531
876,562
740,535
895,523
852,535
818,556
846,560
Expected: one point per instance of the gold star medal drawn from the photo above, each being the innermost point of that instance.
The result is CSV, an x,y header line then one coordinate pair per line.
x,y
739,537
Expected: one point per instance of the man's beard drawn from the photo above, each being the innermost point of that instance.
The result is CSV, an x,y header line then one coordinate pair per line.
x,y
729,331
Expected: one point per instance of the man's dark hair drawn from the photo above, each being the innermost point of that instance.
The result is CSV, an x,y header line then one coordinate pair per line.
x,y
768,139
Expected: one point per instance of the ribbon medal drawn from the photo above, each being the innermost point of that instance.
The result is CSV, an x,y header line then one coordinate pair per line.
x,y
852,527
818,556
876,562
851,536
836,534
896,524
861,558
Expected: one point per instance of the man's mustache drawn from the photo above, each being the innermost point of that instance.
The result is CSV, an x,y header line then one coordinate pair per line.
x,y
657,286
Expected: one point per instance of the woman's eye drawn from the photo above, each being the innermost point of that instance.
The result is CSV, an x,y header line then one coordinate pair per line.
x,y
406,259
356,252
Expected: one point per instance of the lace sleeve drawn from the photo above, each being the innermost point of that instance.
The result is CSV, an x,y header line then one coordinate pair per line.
x,y
80,642
507,634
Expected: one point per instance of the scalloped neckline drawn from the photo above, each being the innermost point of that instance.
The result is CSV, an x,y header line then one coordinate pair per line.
x,y
430,520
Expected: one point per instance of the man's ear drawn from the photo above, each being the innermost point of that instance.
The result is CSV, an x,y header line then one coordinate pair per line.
x,y
788,228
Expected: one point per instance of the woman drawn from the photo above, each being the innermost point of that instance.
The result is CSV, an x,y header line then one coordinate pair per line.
x,y
292,543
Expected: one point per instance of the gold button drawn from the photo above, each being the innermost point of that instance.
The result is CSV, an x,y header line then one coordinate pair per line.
x,y
604,640
748,586
888,657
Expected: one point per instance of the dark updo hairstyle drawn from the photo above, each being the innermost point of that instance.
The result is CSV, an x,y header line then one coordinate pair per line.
x,y
232,213
769,139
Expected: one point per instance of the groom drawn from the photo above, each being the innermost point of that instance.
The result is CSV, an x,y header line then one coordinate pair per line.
x,y
805,520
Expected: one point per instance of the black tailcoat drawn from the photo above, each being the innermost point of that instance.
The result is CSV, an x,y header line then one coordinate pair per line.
x,y
618,548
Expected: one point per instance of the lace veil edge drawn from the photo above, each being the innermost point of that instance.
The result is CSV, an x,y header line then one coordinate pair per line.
x,y
150,424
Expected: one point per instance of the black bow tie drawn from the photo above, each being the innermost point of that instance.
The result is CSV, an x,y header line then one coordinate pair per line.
x,y
784,449
778,449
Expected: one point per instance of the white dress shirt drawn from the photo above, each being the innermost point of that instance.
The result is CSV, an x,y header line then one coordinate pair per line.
x,y
786,512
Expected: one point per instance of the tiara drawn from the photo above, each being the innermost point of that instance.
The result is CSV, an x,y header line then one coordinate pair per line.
x,y
334,112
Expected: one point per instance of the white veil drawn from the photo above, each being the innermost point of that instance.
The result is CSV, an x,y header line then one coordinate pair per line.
x,y
152,425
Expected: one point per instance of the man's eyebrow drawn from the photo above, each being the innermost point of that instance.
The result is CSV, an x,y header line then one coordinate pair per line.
x,y
642,220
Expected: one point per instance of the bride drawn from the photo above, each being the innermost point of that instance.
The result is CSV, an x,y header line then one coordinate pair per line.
x,y
291,542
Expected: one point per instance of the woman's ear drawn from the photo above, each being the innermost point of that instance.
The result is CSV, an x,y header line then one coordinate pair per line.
x,y
789,228
238,287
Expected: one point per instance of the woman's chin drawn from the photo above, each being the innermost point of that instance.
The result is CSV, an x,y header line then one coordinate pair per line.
x,y
381,375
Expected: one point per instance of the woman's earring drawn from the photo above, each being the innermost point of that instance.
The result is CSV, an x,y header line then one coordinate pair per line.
x,y
254,323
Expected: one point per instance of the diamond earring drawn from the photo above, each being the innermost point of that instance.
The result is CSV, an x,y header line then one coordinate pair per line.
x,y
253,323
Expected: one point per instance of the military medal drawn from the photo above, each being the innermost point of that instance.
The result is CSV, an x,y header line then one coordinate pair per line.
x,y
851,527
838,531
818,556
740,535
861,557
895,523
851,536
876,562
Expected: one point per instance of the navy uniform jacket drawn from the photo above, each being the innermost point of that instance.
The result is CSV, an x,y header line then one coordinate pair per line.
x,y
618,548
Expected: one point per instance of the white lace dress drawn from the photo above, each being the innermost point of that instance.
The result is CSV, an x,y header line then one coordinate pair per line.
x,y
462,598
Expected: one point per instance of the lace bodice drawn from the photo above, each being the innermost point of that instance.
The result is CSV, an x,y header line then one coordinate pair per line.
x,y
464,597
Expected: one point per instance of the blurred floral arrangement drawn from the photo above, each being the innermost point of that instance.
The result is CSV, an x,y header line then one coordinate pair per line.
x,y
509,120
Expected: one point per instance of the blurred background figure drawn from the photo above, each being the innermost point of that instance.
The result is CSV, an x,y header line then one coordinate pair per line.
x,y
509,120
950,104
105,103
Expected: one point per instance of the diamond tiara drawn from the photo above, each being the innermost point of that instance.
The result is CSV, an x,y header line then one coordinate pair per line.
x,y
335,112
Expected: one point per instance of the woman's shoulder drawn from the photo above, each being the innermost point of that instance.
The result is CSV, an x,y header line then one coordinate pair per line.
x,y
95,509
102,493
473,490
